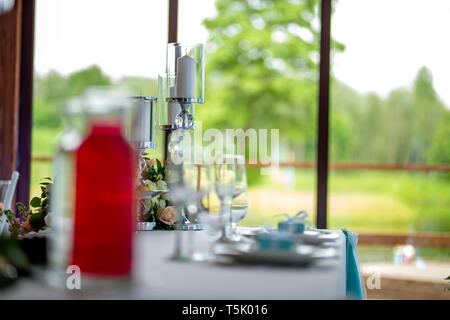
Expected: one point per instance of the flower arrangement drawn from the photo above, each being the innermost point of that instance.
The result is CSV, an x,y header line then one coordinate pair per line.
x,y
29,220
156,209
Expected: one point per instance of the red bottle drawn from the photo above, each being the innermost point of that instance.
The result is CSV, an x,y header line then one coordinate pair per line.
x,y
104,207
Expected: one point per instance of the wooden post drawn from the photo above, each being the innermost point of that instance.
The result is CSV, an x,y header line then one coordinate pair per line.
x,y
172,38
10,46
323,121
25,100
173,21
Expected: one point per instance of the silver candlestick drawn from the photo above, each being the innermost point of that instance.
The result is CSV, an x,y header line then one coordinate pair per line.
x,y
180,88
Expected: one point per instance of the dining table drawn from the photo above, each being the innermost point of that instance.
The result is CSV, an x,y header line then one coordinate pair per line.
x,y
156,275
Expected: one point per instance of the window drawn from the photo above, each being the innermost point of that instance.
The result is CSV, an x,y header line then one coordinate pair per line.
x,y
84,43
261,73
389,129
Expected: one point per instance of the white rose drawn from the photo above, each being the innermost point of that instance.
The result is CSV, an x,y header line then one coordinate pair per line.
x,y
154,201
148,203
151,185
167,215
165,196
162,185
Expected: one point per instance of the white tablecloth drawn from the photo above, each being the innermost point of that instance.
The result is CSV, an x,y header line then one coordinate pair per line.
x,y
158,277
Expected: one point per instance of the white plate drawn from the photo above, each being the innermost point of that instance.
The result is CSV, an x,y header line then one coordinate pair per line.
x,y
317,237
302,256
251,232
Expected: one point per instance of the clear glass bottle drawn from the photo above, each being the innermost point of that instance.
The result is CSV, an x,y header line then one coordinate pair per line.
x,y
92,201
62,196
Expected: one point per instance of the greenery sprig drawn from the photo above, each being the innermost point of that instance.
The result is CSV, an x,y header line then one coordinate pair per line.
x,y
28,219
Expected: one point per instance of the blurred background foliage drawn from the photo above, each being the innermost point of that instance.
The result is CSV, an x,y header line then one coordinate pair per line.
x,y
262,72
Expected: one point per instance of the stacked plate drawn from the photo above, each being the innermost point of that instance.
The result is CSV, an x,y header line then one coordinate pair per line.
x,y
311,247
317,237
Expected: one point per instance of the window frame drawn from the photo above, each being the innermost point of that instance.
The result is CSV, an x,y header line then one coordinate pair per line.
x,y
26,93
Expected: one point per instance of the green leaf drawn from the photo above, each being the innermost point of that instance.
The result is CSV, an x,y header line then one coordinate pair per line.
x,y
37,220
159,165
9,215
13,252
22,209
35,202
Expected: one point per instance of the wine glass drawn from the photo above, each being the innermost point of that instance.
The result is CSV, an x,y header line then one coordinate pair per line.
x,y
190,244
197,179
225,178
239,206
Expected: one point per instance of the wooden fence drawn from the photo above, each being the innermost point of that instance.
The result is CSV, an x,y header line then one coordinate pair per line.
x,y
337,166
441,240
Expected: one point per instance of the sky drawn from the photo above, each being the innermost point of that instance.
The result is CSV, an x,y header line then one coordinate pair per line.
x,y
387,41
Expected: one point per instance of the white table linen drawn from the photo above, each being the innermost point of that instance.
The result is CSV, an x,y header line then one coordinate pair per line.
x,y
158,277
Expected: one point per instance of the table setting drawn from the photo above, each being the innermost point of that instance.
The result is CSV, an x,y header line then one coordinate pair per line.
x,y
118,223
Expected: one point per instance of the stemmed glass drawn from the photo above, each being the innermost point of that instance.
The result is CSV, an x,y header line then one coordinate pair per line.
x,y
197,178
225,179
188,184
192,194
239,206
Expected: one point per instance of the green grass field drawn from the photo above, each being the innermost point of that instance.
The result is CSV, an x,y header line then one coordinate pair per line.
x,y
360,200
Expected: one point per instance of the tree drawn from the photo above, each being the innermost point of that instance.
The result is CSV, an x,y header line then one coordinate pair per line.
x,y
440,149
428,111
81,80
52,91
49,92
261,69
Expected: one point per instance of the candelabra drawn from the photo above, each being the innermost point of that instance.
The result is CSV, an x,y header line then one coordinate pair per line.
x,y
180,88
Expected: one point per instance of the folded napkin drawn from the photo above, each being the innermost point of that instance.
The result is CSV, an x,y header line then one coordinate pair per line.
x,y
275,241
295,224
355,282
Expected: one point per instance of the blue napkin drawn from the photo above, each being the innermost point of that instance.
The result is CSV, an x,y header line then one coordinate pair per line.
x,y
295,224
355,282
275,241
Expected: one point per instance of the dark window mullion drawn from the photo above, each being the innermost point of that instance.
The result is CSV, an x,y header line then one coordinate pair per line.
x,y
323,117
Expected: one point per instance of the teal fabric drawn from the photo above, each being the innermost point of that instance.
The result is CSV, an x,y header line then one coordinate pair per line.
x,y
355,284
292,227
275,241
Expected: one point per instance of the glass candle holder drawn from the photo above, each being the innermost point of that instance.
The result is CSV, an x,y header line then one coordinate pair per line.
x,y
169,111
141,127
181,86
59,248
188,65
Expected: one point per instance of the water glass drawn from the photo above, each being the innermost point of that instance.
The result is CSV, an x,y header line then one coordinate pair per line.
x,y
225,179
239,206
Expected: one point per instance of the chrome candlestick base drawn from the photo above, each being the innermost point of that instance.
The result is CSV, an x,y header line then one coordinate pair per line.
x,y
142,145
184,119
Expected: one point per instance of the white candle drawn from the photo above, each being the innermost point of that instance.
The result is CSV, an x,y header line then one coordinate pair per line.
x,y
172,108
185,77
